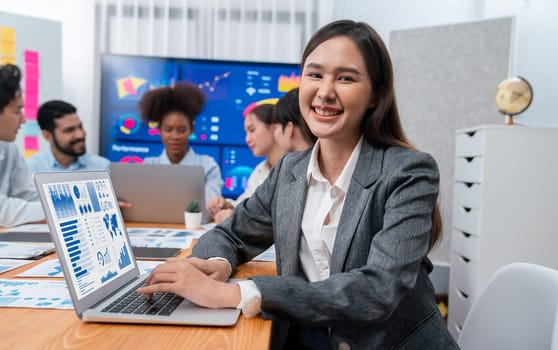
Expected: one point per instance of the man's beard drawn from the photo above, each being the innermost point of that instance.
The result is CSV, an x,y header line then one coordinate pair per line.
x,y
69,151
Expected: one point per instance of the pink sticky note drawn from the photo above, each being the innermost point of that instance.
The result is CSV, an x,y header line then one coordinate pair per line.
x,y
31,57
31,85
31,142
30,112
31,99
32,71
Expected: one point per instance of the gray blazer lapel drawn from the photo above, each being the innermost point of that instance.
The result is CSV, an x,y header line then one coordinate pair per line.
x,y
290,208
367,171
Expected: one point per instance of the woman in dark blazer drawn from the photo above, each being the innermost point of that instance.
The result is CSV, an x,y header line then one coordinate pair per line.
x,y
352,219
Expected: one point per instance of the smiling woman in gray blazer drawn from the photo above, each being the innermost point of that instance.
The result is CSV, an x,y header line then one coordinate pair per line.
x,y
352,219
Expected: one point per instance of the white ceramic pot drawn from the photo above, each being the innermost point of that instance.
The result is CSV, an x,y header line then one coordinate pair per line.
x,y
192,220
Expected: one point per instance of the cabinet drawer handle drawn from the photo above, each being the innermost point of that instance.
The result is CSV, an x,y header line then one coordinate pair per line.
x,y
464,259
468,184
469,159
471,133
463,295
467,235
466,209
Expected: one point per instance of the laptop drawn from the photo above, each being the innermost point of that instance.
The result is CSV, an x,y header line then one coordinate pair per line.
x,y
97,259
158,192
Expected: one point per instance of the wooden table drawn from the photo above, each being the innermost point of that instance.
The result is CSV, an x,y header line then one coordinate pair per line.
x,y
26,328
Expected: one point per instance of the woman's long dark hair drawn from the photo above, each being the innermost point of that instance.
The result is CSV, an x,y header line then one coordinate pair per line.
x,y
381,126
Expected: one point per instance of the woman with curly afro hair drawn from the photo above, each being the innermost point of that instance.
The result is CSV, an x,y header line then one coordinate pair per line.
x,y
175,109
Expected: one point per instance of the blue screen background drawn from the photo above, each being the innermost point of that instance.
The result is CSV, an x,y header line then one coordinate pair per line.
x,y
231,87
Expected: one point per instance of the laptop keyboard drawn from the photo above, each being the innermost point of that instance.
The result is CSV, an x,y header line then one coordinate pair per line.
x,y
133,303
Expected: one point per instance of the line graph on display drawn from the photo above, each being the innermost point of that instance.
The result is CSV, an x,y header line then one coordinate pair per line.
x,y
211,85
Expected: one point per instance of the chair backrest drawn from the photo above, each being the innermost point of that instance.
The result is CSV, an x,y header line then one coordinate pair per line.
x,y
516,310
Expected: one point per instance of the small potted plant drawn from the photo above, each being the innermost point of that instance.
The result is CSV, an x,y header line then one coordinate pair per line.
x,y
193,215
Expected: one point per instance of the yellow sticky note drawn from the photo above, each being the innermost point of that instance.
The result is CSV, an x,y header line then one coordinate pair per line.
x,y
7,59
29,152
7,48
7,34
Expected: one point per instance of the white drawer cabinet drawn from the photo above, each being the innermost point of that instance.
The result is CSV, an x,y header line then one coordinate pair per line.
x,y
469,194
505,207
469,169
469,143
465,244
466,219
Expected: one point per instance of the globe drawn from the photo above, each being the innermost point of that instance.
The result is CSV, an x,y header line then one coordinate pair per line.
x,y
513,96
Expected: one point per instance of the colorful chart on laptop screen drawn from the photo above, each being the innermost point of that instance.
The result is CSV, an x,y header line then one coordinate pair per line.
x,y
86,216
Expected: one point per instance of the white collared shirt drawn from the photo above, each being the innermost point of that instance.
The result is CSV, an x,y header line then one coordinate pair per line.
x,y
45,161
324,203
316,242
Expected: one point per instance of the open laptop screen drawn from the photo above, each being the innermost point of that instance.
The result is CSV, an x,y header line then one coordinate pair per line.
x,y
87,220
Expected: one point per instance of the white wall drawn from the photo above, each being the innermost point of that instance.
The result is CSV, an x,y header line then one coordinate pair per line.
x,y
535,52
78,56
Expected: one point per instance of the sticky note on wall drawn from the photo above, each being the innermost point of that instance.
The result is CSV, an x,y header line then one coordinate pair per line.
x,y
31,143
31,99
7,33
31,57
31,128
7,45
7,48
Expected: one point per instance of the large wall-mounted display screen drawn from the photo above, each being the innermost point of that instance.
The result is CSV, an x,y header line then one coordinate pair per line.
x,y
231,88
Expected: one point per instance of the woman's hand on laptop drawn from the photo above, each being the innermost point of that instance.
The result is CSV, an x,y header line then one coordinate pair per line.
x,y
218,269
186,278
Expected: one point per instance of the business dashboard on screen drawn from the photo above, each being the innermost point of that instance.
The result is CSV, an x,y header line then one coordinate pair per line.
x,y
231,88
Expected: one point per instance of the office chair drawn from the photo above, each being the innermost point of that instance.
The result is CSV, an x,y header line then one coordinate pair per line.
x,y
516,311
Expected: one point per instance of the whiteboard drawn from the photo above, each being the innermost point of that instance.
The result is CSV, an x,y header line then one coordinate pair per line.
x,y
37,50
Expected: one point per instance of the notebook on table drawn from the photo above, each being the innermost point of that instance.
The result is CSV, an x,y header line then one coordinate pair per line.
x,y
158,192
96,256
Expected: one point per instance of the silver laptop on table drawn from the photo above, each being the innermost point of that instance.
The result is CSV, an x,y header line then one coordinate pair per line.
x,y
97,258
158,192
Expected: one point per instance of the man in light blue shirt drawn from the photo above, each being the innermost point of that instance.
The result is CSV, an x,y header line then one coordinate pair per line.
x,y
62,128
19,200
